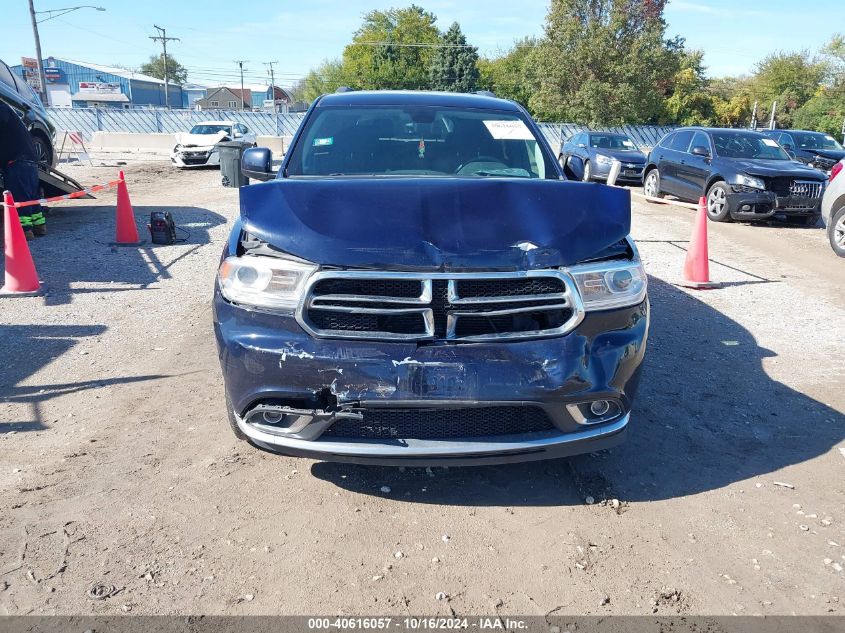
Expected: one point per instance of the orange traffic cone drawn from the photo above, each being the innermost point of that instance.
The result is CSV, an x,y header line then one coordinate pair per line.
x,y
21,278
697,264
126,233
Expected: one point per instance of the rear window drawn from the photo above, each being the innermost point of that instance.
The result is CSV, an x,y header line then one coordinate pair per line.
x,y
420,141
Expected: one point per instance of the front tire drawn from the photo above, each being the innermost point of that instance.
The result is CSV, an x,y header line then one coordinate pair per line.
x,y
43,150
651,184
588,172
836,232
717,202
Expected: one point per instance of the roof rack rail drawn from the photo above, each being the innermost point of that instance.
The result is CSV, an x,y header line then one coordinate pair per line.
x,y
485,93
344,89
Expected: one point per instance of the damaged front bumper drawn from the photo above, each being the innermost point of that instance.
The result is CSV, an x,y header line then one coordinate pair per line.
x,y
195,157
753,204
291,392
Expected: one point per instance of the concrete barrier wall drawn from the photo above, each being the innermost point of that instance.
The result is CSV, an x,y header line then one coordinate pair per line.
x,y
163,143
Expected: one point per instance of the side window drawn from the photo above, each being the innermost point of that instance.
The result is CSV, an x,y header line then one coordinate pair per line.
x,y
682,140
244,129
666,141
700,140
6,76
786,139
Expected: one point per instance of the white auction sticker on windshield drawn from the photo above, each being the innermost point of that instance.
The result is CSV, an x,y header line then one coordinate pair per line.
x,y
829,137
770,142
509,130
627,143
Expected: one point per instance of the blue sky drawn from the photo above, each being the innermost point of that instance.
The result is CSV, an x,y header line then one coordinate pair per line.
x,y
733,35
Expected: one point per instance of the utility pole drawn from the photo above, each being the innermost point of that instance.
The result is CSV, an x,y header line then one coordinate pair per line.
x,y
272,82
41,77
240,63
162,37
754,117
772,120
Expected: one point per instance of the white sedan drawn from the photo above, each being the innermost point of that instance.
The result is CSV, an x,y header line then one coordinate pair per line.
x,y
197,148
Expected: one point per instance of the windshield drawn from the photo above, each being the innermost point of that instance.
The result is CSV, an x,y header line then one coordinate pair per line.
x,y
816,140
420,141
206,128
612,141
733,145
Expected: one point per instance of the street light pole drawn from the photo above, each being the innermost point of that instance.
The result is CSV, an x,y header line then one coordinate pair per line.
x,y
53,13
42,79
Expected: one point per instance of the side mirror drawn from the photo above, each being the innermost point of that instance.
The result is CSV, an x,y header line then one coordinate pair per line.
x,y
700,150
257,163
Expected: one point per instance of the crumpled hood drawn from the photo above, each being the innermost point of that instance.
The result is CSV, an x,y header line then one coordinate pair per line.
x,y
185,139
774,168
437,223
833,154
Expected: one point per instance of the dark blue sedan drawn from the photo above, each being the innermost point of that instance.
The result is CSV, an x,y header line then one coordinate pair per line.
x,y
589,155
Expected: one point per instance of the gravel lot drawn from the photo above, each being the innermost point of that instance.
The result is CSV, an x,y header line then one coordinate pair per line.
x,y
118,472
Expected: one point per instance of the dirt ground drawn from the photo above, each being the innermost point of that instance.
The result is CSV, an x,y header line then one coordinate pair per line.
x,y
119,476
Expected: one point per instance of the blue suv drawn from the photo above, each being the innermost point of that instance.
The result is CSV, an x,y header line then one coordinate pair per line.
x,y
419,285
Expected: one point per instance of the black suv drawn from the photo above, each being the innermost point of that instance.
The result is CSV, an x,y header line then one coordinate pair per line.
x,y
743,174
22,98
815,149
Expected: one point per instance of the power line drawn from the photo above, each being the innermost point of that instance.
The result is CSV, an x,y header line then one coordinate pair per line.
x,y
162,37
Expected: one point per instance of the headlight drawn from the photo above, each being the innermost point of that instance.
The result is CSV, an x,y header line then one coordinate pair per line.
x,y
265,282
601,159
610,284
750,181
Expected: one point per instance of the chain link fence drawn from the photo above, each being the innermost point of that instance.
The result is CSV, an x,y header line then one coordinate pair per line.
x,y
90,120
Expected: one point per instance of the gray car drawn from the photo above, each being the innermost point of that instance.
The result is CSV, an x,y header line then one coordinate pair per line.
x,y
589,156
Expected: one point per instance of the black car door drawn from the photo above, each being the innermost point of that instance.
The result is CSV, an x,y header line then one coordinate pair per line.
x,y
694,170
670,159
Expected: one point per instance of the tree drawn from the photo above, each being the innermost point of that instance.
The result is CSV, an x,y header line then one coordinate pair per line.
x,y
825,110
604,62
509,74
454,66
689,102
327,77
389,50
176,72
791,79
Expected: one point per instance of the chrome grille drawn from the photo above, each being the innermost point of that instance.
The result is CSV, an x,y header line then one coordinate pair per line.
x,y
440,306
805,189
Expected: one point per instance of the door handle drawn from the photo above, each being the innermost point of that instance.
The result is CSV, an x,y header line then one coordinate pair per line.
x,y
683,162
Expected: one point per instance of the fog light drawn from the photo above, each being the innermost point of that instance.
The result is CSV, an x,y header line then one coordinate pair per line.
x,y
272,417
599,408
746,207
